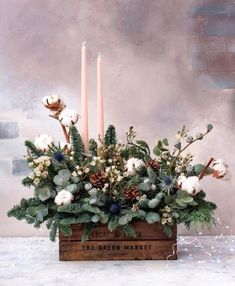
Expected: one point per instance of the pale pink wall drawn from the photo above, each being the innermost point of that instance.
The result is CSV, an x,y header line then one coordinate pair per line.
x,y
152,81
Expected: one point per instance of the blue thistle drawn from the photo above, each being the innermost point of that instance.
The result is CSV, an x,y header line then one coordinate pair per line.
x,y
114,208
167,183
58,156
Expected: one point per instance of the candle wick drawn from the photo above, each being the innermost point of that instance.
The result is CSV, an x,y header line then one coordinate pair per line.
x,y
99,55
84,43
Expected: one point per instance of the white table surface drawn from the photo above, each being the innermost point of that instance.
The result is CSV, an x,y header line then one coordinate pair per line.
x,y
202,260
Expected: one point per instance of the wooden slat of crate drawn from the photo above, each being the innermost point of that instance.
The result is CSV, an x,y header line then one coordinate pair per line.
x,y
117,250
143,231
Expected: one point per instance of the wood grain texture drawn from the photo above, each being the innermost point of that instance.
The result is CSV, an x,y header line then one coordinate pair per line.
x,y
117,250
151,243
143,231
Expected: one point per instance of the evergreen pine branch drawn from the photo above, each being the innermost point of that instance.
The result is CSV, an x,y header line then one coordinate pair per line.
x,y
202,214
128,230
33,149
93,147
87,229
77,208
53,229
66,230
83,218
27,182
20,211
78,146
110,137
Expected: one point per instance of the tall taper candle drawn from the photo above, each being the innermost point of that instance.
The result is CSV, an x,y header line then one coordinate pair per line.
x,y
85,132
100,97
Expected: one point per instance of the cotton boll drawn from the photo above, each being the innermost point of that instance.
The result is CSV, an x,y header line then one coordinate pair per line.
x,y
43,142
133,165
220,168
190,185
53,102
68,117
63,198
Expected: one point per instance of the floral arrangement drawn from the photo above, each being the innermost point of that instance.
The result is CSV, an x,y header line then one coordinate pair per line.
x,y
113,183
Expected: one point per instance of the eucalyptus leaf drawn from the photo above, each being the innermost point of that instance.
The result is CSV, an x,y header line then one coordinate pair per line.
x,y
152,217
153,203
58,180
64,174
95,218
71,188
44,193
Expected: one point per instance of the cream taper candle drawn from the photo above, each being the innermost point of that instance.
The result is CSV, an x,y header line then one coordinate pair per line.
x,y
100,97
84,119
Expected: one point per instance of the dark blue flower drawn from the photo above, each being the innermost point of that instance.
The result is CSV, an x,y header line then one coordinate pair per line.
x,y
167,183
114,208
58,156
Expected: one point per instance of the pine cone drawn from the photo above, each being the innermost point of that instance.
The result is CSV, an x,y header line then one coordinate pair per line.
x,y
153,164
131,193
98,179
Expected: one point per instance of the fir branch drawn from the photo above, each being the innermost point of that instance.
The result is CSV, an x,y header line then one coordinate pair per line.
x,y
33,149
87,229
66,230
78,146
83,218
27,182
110,137
128,230
54,228
20,211
93,147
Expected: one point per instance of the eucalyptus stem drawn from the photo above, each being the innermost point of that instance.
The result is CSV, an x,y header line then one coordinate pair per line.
x,y
185,147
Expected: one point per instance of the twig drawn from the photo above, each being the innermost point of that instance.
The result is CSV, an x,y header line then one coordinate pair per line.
x,y
65,134
205,168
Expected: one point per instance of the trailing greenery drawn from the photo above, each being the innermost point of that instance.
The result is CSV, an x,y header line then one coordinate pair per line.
x,y
116,184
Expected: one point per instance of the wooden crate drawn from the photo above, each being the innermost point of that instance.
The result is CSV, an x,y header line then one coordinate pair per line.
x,y
150,243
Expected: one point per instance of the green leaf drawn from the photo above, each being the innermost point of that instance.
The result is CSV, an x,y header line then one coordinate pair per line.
x,y
143,145
165,142
152,217
64,174
58,180
43,193
157,151
167,230
113,223
71,188
78,146
66,230
125,219
128,230
151,174
95,218
143,203
153,203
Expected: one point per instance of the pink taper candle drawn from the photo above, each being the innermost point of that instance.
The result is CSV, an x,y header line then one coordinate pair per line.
x,y
84,119
100,99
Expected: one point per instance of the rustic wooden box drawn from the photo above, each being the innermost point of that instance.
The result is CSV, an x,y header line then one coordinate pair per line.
x,y
150,243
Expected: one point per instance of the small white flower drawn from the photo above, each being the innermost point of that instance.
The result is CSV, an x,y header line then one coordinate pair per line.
x,y
106,185
53,102
110,161
74,174
38,173
79,173
43,142
68,117
133,165
87,170
93,163
190,185
220,168
36,181
88,186
63,198
45,174
30,164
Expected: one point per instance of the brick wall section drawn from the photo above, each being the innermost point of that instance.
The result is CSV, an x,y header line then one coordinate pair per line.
x,y
212,41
